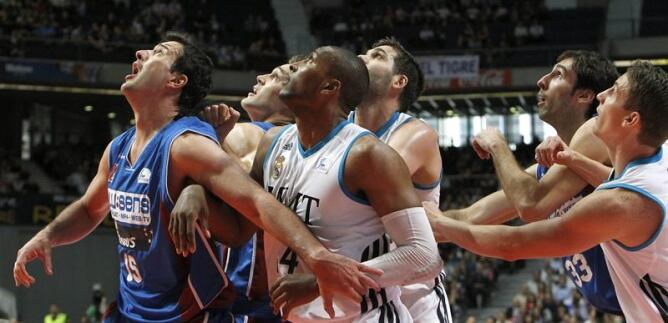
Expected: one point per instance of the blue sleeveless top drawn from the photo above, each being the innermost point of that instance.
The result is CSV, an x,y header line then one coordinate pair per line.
x,y
156,284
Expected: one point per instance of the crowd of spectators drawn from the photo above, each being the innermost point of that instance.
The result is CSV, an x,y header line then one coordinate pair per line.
x,y
463,24
550,296
112,30
13,178
71,162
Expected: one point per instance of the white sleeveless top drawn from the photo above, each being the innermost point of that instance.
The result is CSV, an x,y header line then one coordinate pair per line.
x,y
310,182
426,192
640,273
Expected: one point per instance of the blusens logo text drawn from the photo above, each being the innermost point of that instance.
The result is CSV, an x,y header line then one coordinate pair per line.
x,y
130,208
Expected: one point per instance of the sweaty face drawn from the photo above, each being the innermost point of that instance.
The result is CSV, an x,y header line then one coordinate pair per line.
x,y
380,63
151,69
305,80
263,100
612,110
555,96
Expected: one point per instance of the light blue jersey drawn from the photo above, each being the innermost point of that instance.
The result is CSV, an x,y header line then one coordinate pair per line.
x,y
156,284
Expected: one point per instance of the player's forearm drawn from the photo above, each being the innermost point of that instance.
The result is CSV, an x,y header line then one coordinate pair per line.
x,y
410,230
485,240
590,170
491,209
519,187
288,228
71,225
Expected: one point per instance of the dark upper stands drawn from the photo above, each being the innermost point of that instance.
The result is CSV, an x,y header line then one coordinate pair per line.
x,y
237,35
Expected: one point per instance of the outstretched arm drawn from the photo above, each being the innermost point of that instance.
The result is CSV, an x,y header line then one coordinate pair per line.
x,y
602,216
74,223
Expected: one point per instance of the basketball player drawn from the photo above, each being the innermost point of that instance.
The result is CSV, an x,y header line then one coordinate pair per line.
x,y
334,174
139,174
395,82
625,215
566,99
245,266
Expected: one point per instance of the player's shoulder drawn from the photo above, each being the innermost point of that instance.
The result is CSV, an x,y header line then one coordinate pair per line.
x,y
368,148
416,131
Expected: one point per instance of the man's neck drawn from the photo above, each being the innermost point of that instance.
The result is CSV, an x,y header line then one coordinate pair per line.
x,y
279,119
567,128
314,126
374,115
151,115
627,151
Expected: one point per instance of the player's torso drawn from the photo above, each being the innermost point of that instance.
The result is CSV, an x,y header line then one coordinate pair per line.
x,y
140,206
641,272
310,182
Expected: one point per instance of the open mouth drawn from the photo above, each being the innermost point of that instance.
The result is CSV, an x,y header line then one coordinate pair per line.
x,y
540,98
136,67
254,91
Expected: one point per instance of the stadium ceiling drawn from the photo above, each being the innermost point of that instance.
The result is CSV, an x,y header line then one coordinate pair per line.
x,y
470,104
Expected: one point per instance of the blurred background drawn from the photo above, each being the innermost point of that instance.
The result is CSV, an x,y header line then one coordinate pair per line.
x,y
62,62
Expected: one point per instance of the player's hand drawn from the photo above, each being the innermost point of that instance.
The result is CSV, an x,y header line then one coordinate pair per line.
x,y
222,118
291,291
38,247
552,151
190,209
483,142
339,275
435,215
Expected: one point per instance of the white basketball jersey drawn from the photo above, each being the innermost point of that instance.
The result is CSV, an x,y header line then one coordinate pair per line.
x,y
310,182
640,273
426,192
426,301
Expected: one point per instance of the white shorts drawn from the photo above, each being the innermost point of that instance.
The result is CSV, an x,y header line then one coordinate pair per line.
x,y
428,303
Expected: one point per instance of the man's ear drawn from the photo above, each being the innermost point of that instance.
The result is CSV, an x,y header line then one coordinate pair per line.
x,y
632,119
585,96
399,81
178,81
331,86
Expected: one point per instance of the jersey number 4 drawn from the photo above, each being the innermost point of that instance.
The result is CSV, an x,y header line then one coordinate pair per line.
x,y
289,259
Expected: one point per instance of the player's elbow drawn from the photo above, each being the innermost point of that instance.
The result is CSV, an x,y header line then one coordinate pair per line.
x,y
430,261
528,211
507,254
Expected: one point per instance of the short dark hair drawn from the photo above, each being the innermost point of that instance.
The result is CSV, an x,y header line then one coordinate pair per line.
x,y
405,64
351,71
198,67
594,72
648,94
297,58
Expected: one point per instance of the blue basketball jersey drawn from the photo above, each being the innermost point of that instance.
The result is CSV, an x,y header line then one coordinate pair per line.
x,y
588,270
156,284
246,268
